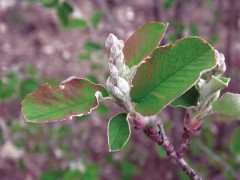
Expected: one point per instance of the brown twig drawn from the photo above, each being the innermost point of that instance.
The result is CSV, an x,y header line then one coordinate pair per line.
x,y
161,139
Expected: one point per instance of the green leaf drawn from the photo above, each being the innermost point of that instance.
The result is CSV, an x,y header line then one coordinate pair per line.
x,y
96,18
235,143
49,3
188,100
31,2
194,30
228,104
143,42
211,87
168,4
93,78
63,11
8,86
84,56
92,46
171,71
74,97
75,23
118,132
27,86
161,152
103,109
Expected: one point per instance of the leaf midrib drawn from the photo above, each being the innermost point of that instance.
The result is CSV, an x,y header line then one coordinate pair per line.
x,y
170,76
117,133
58,110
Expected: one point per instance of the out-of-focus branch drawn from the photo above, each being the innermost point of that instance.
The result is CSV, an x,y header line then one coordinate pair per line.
x,y
109,16
218,159
230,28
217,17
157,10
178,15
5,129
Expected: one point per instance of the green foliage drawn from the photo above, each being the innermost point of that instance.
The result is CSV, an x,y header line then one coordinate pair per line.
x,y
118,132
194,30
188,99
143,42
27,86
96,18
168,3
212,86
49,3
174,69
8,86
91,172
73,97
90,47
128,169
161,152
102,109
228,104
235,142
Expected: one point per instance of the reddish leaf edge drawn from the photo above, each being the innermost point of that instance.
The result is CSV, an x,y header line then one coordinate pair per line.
x,y
173,45
151,22
96,103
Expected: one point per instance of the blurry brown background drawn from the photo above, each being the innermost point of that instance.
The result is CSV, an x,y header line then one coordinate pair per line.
x,y
32,40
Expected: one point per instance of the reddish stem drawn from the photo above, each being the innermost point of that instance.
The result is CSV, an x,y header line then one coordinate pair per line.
x,y
161,139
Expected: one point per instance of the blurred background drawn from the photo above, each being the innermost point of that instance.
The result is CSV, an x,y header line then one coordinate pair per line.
x,y
46,41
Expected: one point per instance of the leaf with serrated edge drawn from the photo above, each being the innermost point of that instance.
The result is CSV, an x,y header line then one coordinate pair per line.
x,y
74,97
169,72
142,42
118,132
228,104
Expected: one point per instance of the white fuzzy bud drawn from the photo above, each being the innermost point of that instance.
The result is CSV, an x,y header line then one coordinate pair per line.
x,y
111,40
109,84
120,44
113,70
123,85
124,71
221,66
118,93
115,51
119,61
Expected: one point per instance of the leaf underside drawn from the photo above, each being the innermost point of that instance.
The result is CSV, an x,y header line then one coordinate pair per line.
x,y
170,72
228,104
74,97
118,132
143,42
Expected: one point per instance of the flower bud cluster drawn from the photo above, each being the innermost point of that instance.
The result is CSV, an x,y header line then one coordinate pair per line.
x,y
117,85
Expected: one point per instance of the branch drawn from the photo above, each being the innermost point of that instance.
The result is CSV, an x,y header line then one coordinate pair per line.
x,y
161,139
192,126
5,130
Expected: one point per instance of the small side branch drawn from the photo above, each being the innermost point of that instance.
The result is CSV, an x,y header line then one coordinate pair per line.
x,y
161,139
185,143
